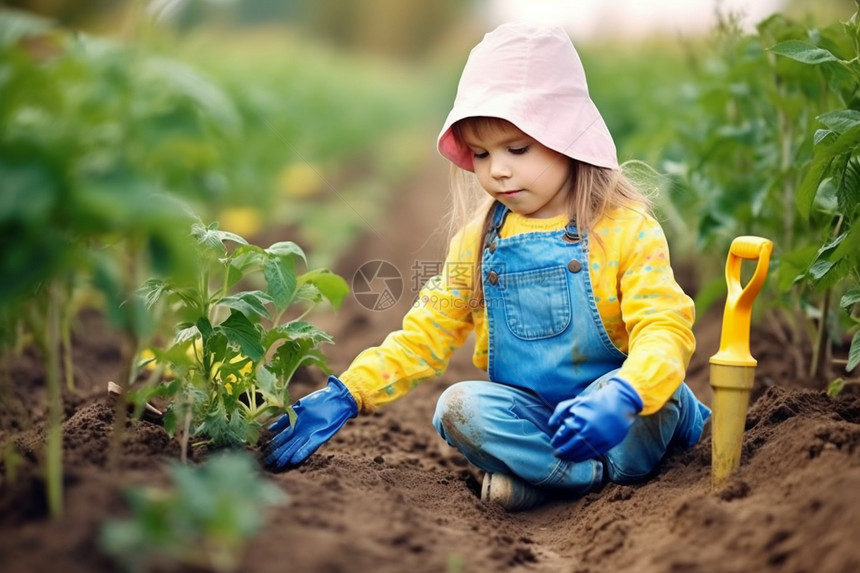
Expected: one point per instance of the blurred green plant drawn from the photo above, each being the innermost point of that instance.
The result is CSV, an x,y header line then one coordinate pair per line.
x,y
75,212
750,157
204,519
232,357
106,148
831,185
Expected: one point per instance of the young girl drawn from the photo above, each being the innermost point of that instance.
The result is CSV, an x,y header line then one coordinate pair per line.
x,y
579,323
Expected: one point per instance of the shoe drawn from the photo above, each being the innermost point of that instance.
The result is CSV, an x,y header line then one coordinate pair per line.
x,y
510,493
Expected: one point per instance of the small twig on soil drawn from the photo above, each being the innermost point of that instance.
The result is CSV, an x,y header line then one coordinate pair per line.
x,y
116,390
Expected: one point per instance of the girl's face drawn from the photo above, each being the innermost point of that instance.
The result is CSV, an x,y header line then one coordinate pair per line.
x,y
513,168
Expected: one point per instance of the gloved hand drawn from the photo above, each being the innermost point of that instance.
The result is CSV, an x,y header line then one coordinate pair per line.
x,y
319,416
591,425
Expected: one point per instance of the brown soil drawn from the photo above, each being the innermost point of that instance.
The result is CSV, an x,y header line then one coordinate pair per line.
x,y
388,495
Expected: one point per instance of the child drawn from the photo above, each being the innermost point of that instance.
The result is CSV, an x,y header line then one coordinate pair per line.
x,y
579,323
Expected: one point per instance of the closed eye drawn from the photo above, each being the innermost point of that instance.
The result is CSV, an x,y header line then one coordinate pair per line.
x,y
519,150
480,154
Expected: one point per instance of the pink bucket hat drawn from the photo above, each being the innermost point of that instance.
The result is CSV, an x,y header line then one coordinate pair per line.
x,y
532,77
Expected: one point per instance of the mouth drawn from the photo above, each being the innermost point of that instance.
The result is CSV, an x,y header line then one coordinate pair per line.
x,y
509,193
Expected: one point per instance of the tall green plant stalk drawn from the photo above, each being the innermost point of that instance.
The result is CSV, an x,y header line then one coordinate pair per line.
x,y
819,347
66,346
54,442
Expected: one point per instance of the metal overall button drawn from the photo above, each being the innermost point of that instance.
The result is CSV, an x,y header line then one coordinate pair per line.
x,y
493,277
569,237
493,247
574,266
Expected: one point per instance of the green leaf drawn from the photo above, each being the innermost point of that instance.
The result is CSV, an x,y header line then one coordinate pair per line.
x,y
250,303
841,120
216,348
246,256
803,52
330,285
281,280
266,380
845,142
849,299
297,330
854,352
176,354
188,333
805,196
793,266
204,327
241,332
820,268
821,136
152,290
835,387
292,354
287,249
232,367
849,245
213,239
232,429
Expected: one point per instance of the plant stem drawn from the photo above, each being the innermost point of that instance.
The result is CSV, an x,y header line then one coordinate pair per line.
x,y
186,428
818,349
252,399
820,337
66,341
54,441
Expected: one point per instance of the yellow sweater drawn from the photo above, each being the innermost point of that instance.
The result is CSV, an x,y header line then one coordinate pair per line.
x,y
646,314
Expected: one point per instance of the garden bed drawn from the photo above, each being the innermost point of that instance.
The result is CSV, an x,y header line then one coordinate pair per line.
x,y
388,495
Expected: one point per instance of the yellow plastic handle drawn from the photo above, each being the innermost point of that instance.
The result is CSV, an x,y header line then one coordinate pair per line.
x,y
735,336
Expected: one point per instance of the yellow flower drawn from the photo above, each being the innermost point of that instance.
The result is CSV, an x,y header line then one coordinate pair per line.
x,y
299,180
244,221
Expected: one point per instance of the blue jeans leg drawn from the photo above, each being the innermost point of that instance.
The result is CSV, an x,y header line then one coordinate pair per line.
x,y
678,422
502,429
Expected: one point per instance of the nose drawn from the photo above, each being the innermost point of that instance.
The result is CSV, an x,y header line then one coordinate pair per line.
x,y
499,167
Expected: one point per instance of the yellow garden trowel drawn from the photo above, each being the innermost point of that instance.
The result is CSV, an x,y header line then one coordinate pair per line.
x,y
733,367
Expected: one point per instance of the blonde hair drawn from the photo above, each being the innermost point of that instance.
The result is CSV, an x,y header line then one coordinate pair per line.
x,y
593,193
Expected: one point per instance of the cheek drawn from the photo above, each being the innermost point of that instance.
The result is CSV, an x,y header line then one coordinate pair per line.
x,y
559,173
482,175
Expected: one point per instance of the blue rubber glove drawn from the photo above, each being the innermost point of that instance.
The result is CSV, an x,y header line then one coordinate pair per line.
x,y
319,416
591,425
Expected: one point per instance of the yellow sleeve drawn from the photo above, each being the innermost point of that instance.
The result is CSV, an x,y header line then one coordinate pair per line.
x,y
438,323
657,315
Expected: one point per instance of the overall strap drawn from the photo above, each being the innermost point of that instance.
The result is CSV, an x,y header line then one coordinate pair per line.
x,y
571,234
500,213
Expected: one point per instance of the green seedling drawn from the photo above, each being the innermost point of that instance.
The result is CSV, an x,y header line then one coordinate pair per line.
x,y
233,353
204,519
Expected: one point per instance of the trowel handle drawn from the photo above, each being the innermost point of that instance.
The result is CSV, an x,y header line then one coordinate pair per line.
x,y
750,249
735,336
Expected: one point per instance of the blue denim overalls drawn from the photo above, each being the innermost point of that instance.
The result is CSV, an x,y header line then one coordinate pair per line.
x,y
547,344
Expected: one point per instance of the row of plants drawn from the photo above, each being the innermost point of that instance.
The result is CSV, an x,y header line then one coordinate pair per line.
x,y
111,156
763,138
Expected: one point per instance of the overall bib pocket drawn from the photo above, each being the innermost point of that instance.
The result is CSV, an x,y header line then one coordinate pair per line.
x,y
537,303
